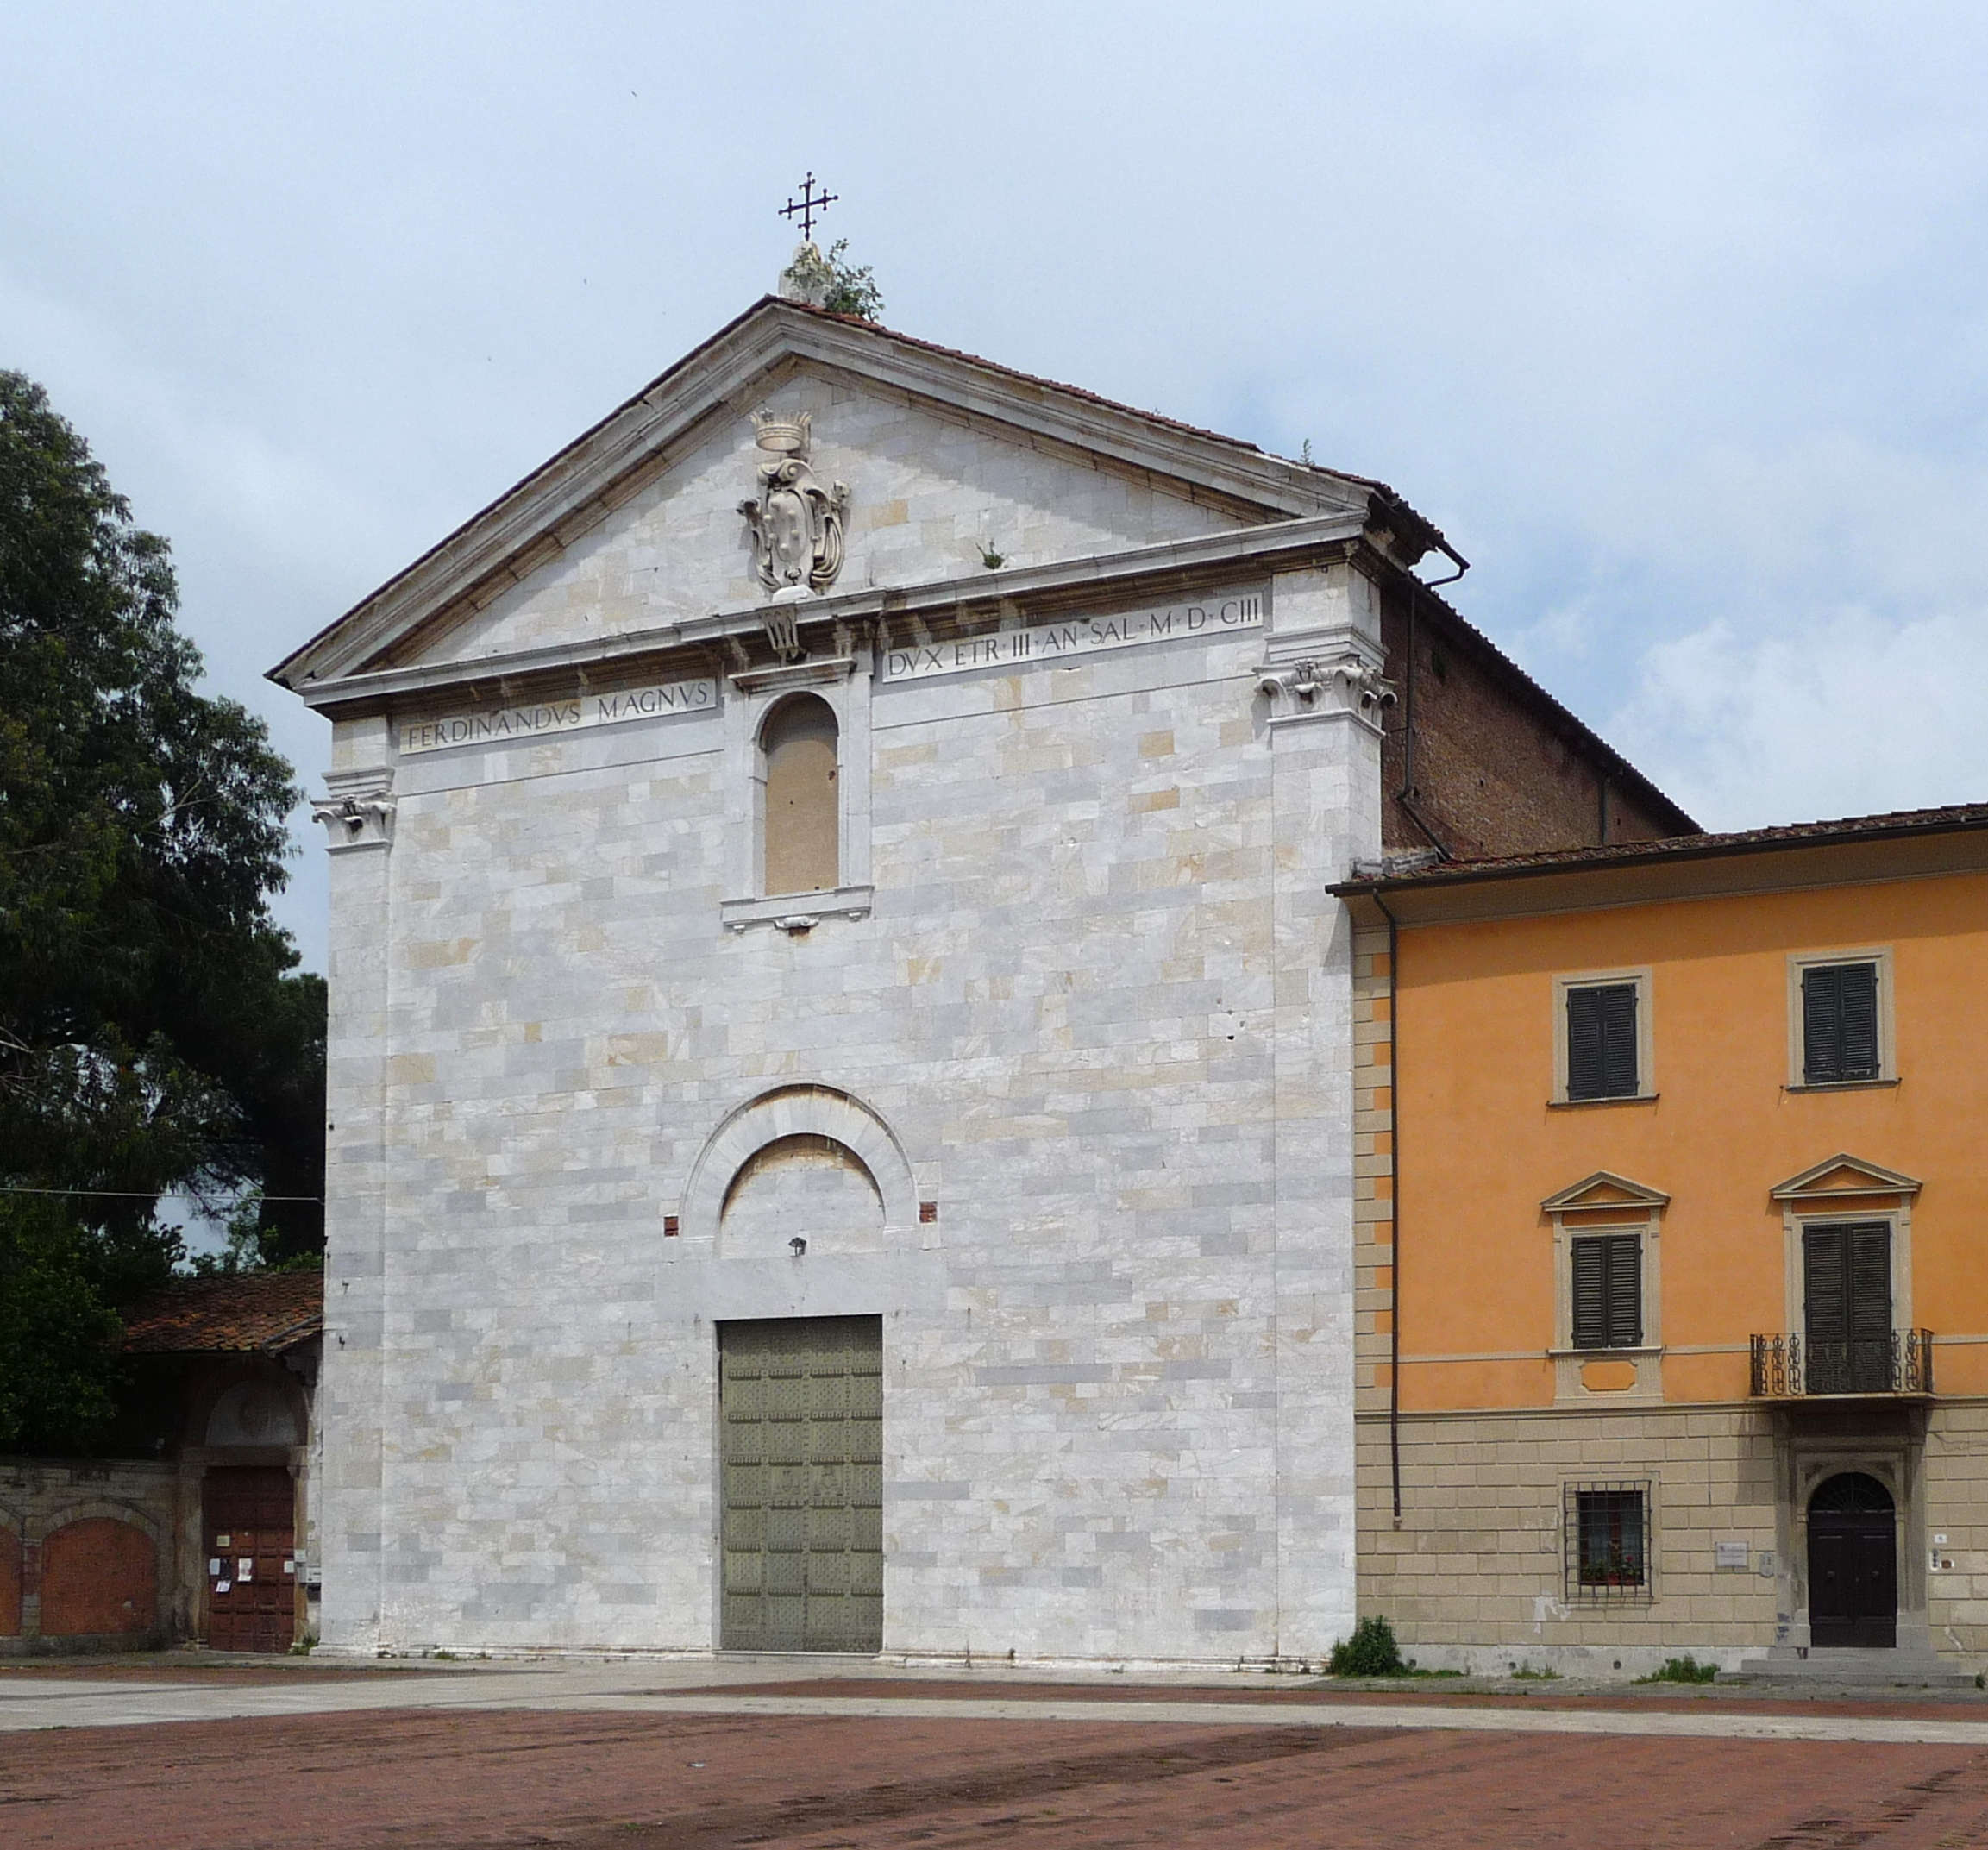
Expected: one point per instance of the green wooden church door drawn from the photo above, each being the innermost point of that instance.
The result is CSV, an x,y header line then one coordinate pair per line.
x,y
800,1405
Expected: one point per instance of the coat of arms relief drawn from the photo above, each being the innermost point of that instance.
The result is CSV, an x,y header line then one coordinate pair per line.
x,y
796,523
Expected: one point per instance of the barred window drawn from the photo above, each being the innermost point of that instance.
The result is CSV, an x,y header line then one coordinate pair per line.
x,y
1608,1541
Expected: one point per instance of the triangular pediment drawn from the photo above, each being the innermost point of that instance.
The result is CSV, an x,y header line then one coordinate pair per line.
x,y
1604,1189
1844,1175
954,466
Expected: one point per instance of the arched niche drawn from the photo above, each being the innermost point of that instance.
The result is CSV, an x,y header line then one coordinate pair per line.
x,y
807,1187
809,1134
254,1412
800,756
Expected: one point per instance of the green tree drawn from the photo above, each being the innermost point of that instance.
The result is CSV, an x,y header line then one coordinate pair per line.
x,y
155,1034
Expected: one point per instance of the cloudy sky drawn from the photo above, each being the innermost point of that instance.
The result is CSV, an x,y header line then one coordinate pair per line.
x,y
1673,316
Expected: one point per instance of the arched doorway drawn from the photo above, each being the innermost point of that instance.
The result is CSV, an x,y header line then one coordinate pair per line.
x,y
1853,1562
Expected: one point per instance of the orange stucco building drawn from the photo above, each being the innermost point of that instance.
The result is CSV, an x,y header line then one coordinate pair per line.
x,y
1673,1306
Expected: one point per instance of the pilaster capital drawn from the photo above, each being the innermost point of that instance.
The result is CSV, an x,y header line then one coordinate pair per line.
x,y
1343,687
356,809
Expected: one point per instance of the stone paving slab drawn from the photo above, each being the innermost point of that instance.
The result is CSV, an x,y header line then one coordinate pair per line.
x,y
26,1704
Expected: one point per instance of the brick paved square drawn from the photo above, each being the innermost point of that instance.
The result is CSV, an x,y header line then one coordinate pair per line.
x,y
639,1782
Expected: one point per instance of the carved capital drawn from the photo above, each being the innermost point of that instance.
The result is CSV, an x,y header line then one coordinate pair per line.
x,y
1346,686
356,809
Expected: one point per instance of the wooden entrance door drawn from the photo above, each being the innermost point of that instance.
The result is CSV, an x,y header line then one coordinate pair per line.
x,y
801,1404
1853,1564
248,1515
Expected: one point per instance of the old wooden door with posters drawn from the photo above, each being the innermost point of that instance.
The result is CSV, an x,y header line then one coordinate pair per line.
x,y
248,1516
801,1404
1853,1562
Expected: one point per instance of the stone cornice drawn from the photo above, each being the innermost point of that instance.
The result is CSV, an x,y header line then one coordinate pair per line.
x,y
1252,548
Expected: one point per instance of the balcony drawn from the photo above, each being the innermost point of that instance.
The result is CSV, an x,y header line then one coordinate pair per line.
x,y
1793,1366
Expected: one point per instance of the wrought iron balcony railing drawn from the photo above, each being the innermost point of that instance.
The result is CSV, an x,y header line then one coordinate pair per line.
x,y
1795,1366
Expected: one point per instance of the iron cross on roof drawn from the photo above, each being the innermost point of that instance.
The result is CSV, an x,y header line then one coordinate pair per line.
x,y
810,203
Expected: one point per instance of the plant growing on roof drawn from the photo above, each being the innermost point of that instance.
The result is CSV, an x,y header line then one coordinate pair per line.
x,y
843,288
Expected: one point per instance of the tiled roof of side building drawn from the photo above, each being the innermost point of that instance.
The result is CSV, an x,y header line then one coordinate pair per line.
x,y
1886,824
248,1311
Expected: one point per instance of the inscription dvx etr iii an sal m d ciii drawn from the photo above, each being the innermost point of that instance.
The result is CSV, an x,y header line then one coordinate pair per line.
x,y
1056,643
499,725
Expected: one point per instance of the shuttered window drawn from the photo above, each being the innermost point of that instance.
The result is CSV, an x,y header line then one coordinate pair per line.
x,y
1608,1290
1602,1041
1840,1023
1846,1287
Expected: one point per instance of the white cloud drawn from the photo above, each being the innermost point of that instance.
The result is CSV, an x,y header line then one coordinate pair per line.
x,y
1850,715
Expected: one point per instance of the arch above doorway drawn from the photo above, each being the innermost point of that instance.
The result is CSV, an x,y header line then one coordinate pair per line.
x,y
1851,1492
799,1111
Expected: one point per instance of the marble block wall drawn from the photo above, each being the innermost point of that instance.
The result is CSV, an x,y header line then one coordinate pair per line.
x,y
1092,1006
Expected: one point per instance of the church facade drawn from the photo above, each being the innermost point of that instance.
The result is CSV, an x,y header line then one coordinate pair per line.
x,y
843,1062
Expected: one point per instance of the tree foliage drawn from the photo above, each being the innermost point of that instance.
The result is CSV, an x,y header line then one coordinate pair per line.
x,y
155,1034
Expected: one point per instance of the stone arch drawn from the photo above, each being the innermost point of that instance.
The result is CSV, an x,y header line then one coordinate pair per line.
x,y
1812,1472
100,1577
79,1509
806,1112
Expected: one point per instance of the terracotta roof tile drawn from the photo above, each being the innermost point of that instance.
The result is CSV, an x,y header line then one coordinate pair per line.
x,y
1953,816
269,1311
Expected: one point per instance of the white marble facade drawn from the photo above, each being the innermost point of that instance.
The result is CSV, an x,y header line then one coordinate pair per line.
x,y
1057,1081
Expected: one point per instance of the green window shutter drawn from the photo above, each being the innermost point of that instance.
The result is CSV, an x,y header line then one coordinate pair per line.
x,y
1826,1284
1625,1291
1608,1290
1840,1023
1590,1294
1857,993
1870,1259
1602,1041
1821,1041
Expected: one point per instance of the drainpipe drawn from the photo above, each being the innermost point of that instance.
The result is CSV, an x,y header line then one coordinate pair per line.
x,y
1394,1201
1406,796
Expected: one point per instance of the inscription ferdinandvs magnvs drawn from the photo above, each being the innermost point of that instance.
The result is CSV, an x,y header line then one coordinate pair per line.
x,y
1055,642
498,725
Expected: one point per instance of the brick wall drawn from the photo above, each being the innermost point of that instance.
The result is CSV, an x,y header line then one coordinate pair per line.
x,y
1373,1155
1496,769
